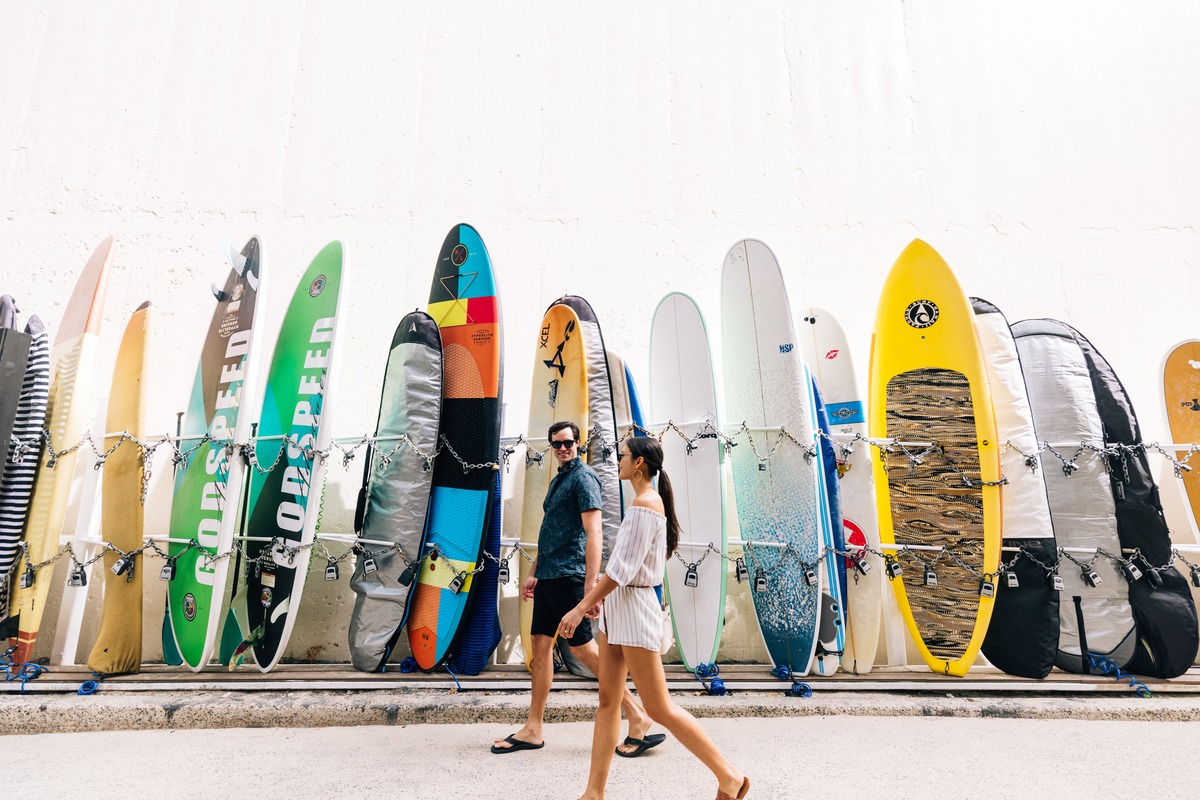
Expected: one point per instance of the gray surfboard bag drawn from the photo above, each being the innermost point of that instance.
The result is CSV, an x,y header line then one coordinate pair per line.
x,y
397,481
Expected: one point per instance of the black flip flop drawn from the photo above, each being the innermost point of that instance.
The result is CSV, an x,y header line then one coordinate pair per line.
x,y
642,745
517,744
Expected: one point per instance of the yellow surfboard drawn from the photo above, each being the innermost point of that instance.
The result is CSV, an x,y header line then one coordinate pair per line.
x,y
118,647
938,487
558,392
72,396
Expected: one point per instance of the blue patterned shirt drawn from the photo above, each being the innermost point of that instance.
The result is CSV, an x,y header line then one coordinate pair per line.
x,y
562,540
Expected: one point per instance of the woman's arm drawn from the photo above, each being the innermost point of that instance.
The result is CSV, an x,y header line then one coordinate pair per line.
x,y
568,624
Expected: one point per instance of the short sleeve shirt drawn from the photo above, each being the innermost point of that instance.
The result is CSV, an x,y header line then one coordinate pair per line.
x,y
562,540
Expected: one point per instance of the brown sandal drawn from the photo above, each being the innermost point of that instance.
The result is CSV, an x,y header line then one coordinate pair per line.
x,y
741,792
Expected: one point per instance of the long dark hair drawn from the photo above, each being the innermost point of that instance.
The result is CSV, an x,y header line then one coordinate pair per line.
x,y
651,451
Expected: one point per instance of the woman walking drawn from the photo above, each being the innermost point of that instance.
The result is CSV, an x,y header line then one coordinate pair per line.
x,y
631,625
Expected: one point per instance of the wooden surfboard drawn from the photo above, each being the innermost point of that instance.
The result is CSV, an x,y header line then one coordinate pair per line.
x,y
464,301
1181,401
118,647
929,385
71,400
559,391
683,391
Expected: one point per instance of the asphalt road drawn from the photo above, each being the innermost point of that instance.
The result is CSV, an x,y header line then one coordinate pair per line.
x,y
829,757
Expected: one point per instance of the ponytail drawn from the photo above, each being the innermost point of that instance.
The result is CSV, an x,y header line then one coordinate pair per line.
x,y
668,498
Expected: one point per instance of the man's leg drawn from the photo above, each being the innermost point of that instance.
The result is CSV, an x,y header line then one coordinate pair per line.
x,y
542,665
639,721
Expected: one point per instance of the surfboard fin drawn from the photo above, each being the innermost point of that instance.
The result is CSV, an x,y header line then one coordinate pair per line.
x,y
239,654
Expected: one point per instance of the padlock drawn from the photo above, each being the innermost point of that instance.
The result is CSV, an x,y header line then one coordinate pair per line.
x,y
760,581
810,576
1154,578
406,577
1056,582
27,578
503,572
691,577
862,565
457,583
1130,571
1196,576
369,565
743,574
129,572
1010,580
331,571
987,588
78,577
1091,577
930,578
168,571
893,569
121,564
762,466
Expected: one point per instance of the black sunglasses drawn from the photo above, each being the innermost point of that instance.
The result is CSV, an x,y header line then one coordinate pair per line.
x,y
561,443
620,456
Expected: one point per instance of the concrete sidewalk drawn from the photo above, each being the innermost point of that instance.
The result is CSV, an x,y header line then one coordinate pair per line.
x,y
126,711
831,757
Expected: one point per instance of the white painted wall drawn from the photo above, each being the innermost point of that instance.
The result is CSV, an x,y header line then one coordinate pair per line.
x,y
613,151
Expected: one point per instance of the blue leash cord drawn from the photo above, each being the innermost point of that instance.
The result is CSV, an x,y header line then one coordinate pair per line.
x,y
1109,668
715,686
26,672
29,671
798,688
89,687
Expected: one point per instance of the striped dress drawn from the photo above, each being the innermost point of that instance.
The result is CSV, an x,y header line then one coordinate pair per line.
x,y
631,615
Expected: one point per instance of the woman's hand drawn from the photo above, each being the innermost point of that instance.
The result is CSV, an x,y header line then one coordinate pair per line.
x,y
568,624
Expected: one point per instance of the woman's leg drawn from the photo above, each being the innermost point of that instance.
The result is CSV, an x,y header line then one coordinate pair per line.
x,y
645,666
608,716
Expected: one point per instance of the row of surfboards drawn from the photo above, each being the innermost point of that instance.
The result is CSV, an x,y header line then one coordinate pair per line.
x,y
951,382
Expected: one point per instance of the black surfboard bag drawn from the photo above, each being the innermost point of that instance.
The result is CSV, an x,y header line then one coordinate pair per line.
x,y
1161,599
1022,638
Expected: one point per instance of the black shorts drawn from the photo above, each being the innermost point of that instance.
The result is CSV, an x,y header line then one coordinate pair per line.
x,y
553,599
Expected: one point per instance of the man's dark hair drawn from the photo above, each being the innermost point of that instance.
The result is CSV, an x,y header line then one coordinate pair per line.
x,y
558,426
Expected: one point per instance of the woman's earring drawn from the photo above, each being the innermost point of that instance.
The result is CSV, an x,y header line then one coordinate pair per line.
x,y
637,473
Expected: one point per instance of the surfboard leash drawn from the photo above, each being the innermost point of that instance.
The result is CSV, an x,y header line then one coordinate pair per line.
x,y
715,685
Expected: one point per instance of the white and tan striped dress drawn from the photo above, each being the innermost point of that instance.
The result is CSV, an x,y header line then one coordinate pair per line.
x,y
631,615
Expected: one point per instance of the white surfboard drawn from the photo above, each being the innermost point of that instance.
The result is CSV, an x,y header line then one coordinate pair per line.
x,y
828,355
683,391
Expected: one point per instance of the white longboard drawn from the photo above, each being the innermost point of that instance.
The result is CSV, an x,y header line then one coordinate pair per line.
x,y
683,391
828,355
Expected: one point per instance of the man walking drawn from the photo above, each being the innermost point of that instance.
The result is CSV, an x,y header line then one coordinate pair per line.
x,y
567,564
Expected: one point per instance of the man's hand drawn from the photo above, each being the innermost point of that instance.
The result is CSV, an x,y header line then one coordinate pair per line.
x,y
527,588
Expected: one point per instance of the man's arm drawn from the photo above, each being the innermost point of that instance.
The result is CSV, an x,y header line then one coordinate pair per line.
x,y
530,583
594,546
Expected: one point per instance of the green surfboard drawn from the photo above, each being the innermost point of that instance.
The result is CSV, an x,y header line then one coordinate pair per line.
x,y
208,484
293,430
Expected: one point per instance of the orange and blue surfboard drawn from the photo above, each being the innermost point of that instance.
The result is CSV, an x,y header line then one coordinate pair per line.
x,y
464,303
